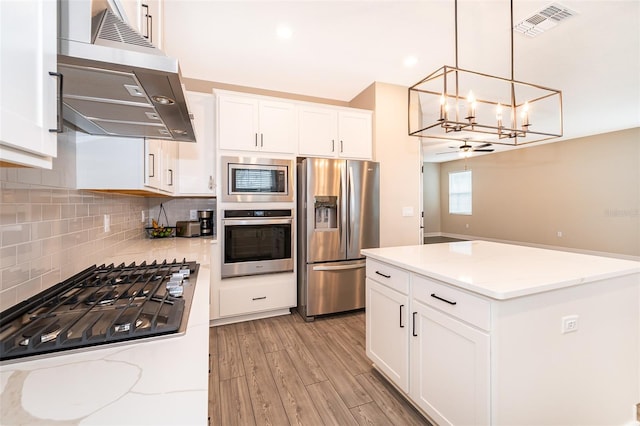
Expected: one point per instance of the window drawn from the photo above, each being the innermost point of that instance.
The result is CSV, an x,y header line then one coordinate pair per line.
x,y
460,192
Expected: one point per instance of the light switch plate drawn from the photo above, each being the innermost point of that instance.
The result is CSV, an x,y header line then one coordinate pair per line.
x,y
407,211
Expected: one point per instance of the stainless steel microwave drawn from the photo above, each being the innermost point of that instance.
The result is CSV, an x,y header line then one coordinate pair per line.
x,y
252,179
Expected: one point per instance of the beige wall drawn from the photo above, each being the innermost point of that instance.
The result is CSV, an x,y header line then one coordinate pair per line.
x,y
431,198
588,189
400,162
205,86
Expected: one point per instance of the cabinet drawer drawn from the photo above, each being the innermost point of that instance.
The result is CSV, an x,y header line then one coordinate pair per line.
x,y
246,299
388,275
460,304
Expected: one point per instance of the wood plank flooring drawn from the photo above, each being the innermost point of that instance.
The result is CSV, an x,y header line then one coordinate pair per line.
x,y
285,371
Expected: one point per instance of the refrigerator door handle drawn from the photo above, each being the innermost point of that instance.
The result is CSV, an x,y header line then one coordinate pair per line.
x,y
351,208
339,267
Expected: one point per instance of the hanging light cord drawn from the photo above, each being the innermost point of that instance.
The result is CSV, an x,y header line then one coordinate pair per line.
x,y
455,28
511,32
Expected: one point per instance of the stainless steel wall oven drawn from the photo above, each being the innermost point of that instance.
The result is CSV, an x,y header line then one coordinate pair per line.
x,y
256,242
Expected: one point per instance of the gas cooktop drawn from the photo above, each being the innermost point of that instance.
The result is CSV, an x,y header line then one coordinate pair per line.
x,y
101,305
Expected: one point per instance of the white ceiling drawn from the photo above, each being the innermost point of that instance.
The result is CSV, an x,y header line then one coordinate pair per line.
x,y
338,48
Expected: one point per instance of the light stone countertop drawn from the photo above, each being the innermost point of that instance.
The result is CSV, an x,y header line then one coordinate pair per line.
x,y
144,382
503,271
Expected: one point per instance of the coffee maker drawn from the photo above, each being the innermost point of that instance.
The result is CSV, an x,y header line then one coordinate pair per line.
x,y
206,222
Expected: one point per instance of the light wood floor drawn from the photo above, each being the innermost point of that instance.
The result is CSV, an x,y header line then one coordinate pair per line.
x,y
285,371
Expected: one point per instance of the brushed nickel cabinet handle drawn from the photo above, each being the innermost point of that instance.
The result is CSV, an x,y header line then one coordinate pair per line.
x,y
443,299
152,168
414,325
60,77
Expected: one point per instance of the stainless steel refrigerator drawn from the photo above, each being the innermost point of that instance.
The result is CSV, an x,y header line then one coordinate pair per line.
x,y
338,215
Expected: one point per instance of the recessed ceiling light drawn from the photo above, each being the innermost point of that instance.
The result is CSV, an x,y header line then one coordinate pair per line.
x,y
284,32
410,61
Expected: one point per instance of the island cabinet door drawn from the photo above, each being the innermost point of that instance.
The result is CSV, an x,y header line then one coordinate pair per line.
x,y
449,368
387,332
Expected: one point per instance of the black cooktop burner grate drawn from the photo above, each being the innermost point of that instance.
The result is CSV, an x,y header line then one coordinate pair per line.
x,y
100,305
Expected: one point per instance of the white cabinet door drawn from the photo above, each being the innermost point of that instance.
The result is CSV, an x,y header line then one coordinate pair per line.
x,y
388,332
146,17
196,161
317,131
151,28
238,123
160,164
252,124
277,127
354,129
334,132
169,151
449,368
28,93
153,163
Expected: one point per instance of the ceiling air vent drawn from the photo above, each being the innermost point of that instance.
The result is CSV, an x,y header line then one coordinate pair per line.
x,y
544,20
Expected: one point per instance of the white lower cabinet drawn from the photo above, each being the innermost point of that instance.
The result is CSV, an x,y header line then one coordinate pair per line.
x,y
256,297
449,368
432,342
387,332
252,297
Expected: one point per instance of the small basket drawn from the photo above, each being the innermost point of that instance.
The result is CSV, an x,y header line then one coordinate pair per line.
x,y
161,231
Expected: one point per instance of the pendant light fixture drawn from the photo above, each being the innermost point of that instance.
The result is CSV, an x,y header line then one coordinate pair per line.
x,y
457,104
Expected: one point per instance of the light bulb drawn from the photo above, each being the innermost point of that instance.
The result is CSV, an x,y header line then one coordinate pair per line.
x,y
443,108
471,105
524,115
499,115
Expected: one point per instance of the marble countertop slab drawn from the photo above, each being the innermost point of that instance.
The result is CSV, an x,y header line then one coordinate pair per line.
x,y
503,271
145,382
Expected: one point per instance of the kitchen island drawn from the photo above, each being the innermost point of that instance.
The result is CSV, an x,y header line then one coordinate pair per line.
x,y
161,381
478,332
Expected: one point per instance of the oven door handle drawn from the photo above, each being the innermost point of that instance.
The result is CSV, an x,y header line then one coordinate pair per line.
x,y
339,267
286,221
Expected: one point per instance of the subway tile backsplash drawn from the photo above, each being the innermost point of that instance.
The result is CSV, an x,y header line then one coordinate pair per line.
x,y
50,234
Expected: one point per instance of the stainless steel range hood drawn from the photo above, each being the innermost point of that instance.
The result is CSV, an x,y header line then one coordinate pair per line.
x,y
114,81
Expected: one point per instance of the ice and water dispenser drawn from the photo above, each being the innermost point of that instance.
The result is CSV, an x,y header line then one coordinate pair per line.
x,y
326,212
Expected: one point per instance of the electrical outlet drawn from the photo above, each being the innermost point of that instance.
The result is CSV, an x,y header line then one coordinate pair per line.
x,y
193,214
143,217
569,324
107,223
559,234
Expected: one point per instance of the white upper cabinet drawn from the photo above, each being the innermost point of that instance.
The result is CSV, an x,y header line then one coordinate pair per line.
x,y
146,17
334,132
28,92
318,131
248,123
354,133
131,165
160,165
196,161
